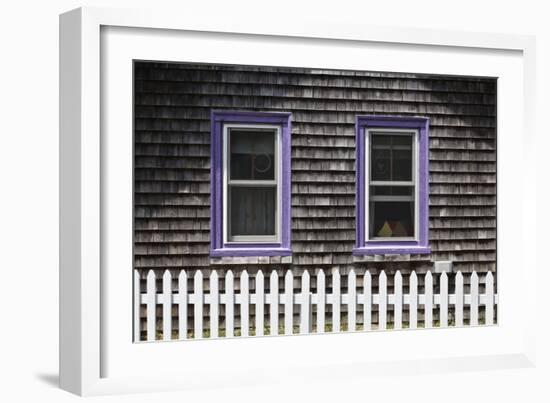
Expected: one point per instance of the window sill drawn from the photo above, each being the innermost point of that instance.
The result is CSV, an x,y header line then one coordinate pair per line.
x,y
391,250
250,251
250,260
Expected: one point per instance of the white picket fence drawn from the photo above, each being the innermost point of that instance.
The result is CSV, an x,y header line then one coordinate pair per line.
x,y
321,299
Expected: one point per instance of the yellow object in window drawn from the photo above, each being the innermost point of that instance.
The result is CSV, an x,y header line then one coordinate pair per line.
x,y
398,229
385,231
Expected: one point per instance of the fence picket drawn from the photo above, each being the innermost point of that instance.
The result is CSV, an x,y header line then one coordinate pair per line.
x,y
474,299
429,301
367,301
274,303
167,305
151,305
490,299
229,304
335,301
352,300
214,303
198,301
398,301
182,305
289,302
443,300
260,301
382,300
321,301
244,303
137,307
413,300
459,299
305,306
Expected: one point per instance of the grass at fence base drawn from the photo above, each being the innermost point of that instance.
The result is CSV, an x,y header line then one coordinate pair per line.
x,y
296,329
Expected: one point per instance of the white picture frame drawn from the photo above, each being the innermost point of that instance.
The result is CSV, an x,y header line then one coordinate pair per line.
x,y
97,357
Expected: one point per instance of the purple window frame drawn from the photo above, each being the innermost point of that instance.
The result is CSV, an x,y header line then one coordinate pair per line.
x,y
419,246
217,246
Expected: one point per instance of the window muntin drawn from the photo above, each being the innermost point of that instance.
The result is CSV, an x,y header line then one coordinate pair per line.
x,y
391,188
252,186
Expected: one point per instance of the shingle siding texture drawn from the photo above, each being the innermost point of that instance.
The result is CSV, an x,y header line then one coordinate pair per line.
x,y
172,159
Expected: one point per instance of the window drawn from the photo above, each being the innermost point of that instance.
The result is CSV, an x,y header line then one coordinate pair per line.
x,y
392,185
250,194
251,183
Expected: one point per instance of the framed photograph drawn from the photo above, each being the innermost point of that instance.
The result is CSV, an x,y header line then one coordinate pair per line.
x,y
234,202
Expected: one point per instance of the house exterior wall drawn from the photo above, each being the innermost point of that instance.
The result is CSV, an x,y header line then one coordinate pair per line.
x,y
173,104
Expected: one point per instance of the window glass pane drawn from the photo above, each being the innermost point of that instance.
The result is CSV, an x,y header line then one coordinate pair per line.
x,y
391,219
392,191
391,157
252,210
252,154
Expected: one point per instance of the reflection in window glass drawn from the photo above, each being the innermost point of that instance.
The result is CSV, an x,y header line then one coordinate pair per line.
x,y
252,154
391,157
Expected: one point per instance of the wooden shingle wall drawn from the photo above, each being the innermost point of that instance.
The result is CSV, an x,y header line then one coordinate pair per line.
x,y
172,160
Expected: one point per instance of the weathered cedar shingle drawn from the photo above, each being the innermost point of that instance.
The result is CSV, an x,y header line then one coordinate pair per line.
x,y
172,158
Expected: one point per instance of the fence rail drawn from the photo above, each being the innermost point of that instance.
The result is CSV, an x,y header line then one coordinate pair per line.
x,y
358,296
